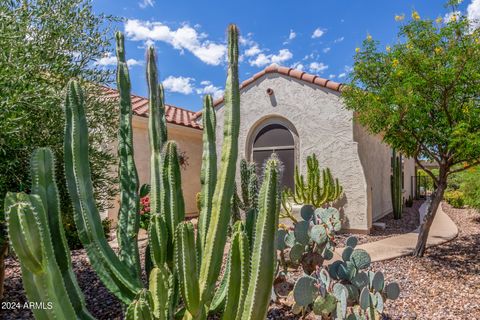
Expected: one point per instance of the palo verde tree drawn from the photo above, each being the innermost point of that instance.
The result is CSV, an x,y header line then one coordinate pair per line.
x,y
422,94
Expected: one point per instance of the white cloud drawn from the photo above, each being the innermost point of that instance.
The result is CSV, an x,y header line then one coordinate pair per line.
x,y
183,38
209,88
342,75
263,59
473,13
317,33
146,3
252,51
331,76
326,50
317,67
183,85
110,60
339,40
292,35
298,65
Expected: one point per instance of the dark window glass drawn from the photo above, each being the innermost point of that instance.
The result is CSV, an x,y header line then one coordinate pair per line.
x,y
273,135
276,138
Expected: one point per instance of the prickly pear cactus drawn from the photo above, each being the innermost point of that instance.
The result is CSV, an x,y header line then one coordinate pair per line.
x,y
344,289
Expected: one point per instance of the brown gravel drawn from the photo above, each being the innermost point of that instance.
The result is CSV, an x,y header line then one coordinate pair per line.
x,y
445,284
408,222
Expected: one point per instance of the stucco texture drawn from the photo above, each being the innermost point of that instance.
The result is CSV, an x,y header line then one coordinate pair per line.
x,y
188,140
319,125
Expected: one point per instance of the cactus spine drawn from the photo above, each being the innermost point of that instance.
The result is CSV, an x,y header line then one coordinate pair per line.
x,y
396,185
128,219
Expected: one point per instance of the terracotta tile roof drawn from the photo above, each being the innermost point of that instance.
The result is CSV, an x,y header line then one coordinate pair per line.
x,y
290,72
174,115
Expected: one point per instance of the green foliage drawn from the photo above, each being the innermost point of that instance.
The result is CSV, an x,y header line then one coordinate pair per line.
x,y
467,183
344,290
32,82
421,95
455,198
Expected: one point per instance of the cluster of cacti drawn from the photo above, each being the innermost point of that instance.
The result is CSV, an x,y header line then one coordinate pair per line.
x,y
312,239
315,191
177,263
344,290
396,185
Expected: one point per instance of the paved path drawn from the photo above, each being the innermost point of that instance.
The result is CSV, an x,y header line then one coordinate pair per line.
x,y
443,229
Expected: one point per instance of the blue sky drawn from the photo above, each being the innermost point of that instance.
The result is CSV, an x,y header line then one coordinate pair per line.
x,y
318,36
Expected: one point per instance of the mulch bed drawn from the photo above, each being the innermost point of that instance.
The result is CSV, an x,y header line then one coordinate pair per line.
x,y
445,284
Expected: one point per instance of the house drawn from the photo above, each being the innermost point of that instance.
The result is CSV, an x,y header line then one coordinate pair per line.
x,y
294,114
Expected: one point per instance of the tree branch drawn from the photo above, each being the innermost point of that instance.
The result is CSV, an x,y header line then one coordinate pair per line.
x,y
464,168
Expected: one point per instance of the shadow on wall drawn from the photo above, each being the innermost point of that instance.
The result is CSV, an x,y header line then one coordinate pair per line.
x,y
339,205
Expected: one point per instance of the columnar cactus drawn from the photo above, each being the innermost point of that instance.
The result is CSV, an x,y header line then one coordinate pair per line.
x,y
33,222
179,261
115,274
128,218
396,185
314,191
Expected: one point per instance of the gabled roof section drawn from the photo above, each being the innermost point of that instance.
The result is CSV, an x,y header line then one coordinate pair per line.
x,y
289,72
173,114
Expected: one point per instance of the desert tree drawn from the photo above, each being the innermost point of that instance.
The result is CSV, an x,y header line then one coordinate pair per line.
x,y
422,95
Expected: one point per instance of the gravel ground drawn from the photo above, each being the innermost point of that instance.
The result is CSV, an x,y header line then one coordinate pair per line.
x,y
408,223
445,284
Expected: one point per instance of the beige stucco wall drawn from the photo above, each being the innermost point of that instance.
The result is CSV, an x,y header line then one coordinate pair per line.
x,y
319,124
376,161
188,140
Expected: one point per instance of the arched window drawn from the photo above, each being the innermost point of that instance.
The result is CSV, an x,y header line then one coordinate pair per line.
x,y
276,138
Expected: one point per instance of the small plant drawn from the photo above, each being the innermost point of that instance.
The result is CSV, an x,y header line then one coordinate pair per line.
x,y
409,202
344,289
144,195
455,198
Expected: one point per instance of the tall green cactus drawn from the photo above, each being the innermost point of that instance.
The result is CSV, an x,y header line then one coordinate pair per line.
x,y
314,191
128,218
396,185
208,174
177,259
34,221
115,274
221,202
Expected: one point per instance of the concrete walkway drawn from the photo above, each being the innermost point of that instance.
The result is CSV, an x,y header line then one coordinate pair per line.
x,y
443,229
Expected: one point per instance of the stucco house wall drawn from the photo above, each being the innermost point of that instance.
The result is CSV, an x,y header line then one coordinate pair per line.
x,y
319,125
375,157
189,140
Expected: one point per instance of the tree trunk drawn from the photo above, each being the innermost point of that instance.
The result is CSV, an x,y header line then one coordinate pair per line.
x,y
432,206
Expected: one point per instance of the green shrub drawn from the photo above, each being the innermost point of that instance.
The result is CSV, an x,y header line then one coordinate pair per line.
x,y
468,183
409,202
455,198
